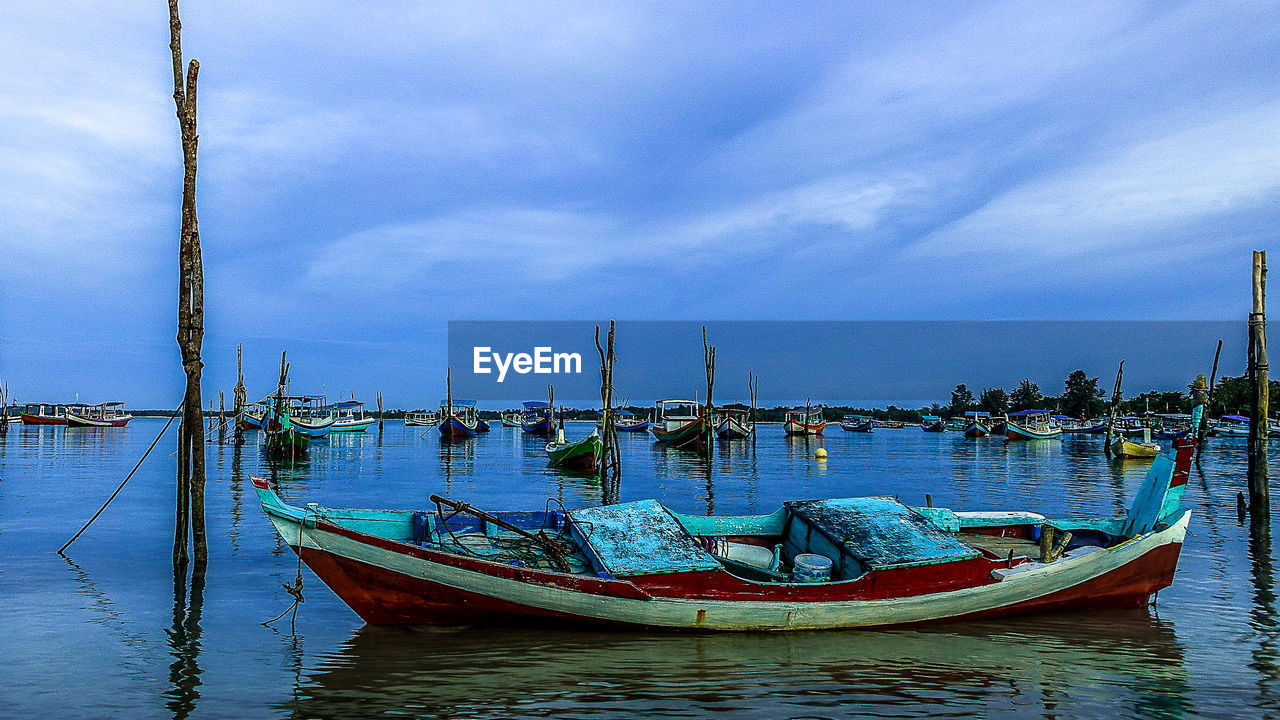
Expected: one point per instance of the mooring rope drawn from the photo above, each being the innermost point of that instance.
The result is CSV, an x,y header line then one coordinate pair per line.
x,y
126,479
295,588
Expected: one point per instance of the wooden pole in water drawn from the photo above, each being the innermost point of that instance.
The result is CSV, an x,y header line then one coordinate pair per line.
x,y
222,417
709,363
1115,404
551,404
4,409
448,395
1203,428
241,398
379,411
190,311
1259,482
610,459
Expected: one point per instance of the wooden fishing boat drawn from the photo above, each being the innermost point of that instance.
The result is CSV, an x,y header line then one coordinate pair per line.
x,y
482,425
857,423
308,415
43,414
251,418
110,414
680,423
1167,426
804,421
422,418
812,564
1130,425
1031,425
733,422
350,416
511,418
932,423
581,455
627,422
1123,447
999,425
538,418
1233,426
283,441
459,421
977,424
1073,426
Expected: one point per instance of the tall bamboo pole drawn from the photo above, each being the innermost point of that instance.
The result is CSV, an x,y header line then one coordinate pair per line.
x,y
191,476
1259,482
709,364
1115,405
610,459
241,397
1202,429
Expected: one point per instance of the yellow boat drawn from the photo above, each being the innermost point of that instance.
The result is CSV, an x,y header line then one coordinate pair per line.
x,y
1125,448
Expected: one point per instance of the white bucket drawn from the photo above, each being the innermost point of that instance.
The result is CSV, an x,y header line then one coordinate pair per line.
x,y
811,568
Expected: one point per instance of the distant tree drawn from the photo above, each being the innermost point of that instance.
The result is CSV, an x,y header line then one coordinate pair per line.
x,y
962,400
994,401
1082,397
1026,396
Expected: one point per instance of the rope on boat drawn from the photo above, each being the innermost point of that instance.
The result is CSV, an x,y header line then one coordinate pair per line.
x,y
126,479
294,588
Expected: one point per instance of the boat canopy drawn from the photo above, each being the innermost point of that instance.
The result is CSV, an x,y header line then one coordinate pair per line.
x,y
977,414
930,418
640,538
536,404
1021,413
459,403
345,404
1237,418
881,532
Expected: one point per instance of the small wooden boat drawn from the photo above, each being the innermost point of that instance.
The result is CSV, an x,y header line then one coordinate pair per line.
x,y
283,441
932,423
627,422
459,421
733,422
511,418
44,414
1167,426
350,416
1123,447
537,418
482,425
1233,426
251,418
581,455
422,418
110,414
977,424
1073,426
680,424
1130,425
810,565
1031,425
857,423
805,420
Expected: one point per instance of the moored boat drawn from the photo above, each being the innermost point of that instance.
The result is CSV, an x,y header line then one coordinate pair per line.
x,y
457,419
1123,447
857,423
1074,426
251,418
350,416
579,455
733,422
804,420
43,414
538,418
422,418
627,422
110,414
977,424
812,564
511,418
680,423
283,440
1031,425
932,423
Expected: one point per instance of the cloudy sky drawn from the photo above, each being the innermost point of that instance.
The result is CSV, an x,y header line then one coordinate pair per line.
x,y
371,170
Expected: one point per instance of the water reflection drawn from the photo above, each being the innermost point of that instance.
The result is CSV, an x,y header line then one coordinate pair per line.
x,y
1050,667
1262,618
184,644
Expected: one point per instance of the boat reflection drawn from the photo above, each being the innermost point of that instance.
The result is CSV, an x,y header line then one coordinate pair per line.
x,y
1114,664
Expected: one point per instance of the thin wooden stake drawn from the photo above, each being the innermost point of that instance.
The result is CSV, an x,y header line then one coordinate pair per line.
x,y
1259,482
1115,405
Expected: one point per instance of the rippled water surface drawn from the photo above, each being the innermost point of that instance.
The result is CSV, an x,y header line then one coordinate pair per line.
x,y
107,632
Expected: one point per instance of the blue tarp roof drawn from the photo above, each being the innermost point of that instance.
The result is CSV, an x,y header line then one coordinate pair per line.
x,y
459,403
881,532
1029,412
1237,418
640,538
535,404
977,413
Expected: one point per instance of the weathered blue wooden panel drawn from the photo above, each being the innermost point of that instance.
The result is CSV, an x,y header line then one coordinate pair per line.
x,y
640,538
881,532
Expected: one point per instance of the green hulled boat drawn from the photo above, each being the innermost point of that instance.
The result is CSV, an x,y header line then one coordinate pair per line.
x,y
582,455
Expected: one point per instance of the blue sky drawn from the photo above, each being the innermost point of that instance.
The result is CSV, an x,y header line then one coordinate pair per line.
x,y
372,170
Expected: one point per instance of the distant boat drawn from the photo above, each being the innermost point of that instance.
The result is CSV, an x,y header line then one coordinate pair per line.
x,y
680,423
511,418
1167,426
733,422
804,420
536,418
110,414
459,421
422,418
350,416
44,414
857,423
626,422
252,415
1072,426
482,425
1233,425
977,424
283,440
932,423
580,455
1031,425
810,565
309,415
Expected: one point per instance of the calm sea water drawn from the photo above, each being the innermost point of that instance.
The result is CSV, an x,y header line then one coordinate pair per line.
x,y
104,633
